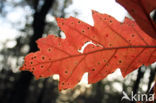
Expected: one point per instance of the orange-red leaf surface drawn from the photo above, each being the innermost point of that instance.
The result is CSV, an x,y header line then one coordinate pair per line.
x,y
140,11
116,45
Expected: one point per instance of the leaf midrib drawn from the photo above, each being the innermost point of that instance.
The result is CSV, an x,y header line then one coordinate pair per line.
x,y
103,49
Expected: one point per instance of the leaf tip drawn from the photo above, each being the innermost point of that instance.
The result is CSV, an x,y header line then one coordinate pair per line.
x,y
21,68
93,12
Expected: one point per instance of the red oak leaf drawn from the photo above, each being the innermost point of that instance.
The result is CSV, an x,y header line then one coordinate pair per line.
x,y
140,10
114,45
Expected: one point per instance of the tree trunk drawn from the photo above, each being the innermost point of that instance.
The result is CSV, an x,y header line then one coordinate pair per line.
x,y
151,78
137,82
22,85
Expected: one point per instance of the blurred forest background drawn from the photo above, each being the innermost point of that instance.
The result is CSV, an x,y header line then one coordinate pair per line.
x,y
37,21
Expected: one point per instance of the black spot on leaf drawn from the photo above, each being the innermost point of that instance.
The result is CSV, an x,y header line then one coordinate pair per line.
x,y
43,57
93,69
42,66
49,50
62,83
120,61
66,71
133,35
104,60
110,45
98,63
